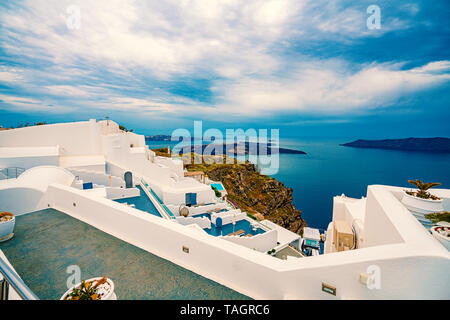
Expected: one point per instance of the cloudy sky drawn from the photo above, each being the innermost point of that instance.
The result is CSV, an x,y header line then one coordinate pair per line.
x,y
306,67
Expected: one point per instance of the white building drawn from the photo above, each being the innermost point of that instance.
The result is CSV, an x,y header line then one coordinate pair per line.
x,y
375,248
99,147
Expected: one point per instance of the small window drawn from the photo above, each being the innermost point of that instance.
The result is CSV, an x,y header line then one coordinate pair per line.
x,y
328,289
185,249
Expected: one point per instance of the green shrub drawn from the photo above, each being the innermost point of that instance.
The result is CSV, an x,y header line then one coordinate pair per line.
x,y
438,216
217,192
422,189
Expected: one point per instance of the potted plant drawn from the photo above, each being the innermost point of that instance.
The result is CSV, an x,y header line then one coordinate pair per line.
x,y
441,228
437,217
7,223
101,288
420,201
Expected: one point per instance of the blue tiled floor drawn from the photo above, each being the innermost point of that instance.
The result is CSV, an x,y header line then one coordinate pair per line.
x,y
47,242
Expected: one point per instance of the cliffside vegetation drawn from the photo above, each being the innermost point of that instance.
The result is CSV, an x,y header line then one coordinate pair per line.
x,y
259,195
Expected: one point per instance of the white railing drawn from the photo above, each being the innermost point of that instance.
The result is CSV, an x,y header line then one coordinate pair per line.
x,y
160,206
10,278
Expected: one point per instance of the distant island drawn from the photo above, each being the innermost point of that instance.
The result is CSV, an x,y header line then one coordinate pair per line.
x,y
238,149
252,148
165,137
409,144
158,137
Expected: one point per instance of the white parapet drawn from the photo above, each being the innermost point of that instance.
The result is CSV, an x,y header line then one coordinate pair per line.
x,y
262,242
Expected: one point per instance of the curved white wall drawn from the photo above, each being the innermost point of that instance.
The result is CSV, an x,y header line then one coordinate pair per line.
x,y
27,193
41,177
19,201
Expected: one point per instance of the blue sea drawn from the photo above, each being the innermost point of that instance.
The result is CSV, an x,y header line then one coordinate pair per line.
x,y
329,169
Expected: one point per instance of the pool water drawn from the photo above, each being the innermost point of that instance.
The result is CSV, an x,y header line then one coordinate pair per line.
x,y
142,203
230,228
218,186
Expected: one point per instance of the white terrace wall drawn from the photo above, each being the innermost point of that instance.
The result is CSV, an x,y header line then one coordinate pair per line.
x,y
262,242
228,216
136,140
176,165
26,193
204,209
117,152
379,228
177,196
29,162
21,200
114,193
74,139
259,275
202,222
98,178
165,182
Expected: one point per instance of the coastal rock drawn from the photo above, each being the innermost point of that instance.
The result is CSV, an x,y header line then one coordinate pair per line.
x,y
256,193
409,144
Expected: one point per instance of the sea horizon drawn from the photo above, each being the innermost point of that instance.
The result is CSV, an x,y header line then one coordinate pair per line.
x,y
329,169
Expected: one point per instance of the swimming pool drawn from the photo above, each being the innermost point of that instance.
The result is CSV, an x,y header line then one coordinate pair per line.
x,y
218,186
142,203
230,228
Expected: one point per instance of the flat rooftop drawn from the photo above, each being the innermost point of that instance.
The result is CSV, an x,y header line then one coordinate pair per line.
x,y
47,242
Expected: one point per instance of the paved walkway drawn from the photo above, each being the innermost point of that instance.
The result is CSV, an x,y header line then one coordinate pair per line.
x,y
48,241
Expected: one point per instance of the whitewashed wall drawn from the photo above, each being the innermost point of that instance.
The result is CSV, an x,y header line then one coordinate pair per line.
x,y
262,242
379,228
417,269
228,216
75,138
21,200
98,178
202,222
114,193
29,162
257,274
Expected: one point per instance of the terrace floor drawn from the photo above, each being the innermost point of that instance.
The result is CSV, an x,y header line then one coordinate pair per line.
x,y
47,242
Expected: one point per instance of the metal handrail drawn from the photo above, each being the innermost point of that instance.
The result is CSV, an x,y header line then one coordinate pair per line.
x,y
158,202
16,282
6,172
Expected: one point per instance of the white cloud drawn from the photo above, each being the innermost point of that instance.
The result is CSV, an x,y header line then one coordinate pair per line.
x,y
162,38
327,87
231,42
7,102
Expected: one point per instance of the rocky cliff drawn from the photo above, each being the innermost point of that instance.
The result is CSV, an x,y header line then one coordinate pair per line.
x,y
254,193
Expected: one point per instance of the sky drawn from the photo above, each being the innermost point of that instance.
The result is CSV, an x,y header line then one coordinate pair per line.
x,y
308,68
